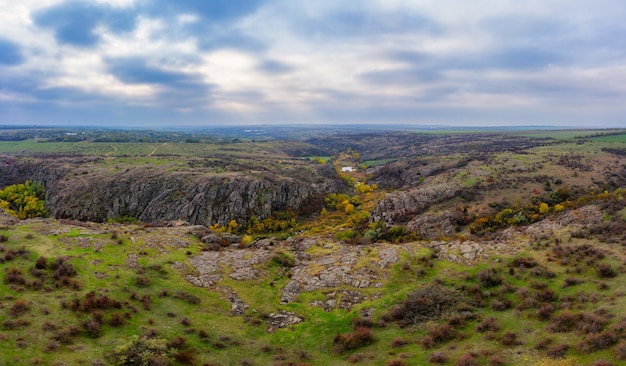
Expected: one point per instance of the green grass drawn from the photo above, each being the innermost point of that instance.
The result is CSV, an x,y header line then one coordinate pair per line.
x,y
611,138
373,163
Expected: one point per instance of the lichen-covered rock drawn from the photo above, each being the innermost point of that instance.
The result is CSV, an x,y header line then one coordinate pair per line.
x,y
282,319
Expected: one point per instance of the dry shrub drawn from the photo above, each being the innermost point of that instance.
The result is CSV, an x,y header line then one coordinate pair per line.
x,y
14,276
426,303
92,328
64,269
557,351
489,278
192,299
571,281
495,360
185,357
178,342
41,263
510,339
501,304
117,320
398,342
467,359
488,324
19,307
620,351
66,336
438,357
597,342
11,324
441,333
565,321
523,262
605,270
359,338
142,281
545,312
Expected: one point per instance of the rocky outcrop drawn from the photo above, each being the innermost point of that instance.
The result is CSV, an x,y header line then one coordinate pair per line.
x,y
78,189
6,219
403,206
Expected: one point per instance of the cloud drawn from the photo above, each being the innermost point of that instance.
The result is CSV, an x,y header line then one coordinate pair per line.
x,y
135,70
75,22
281,60
10,53
275,67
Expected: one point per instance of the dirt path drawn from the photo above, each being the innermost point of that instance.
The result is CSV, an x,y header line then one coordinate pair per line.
x,y
156,148
111,152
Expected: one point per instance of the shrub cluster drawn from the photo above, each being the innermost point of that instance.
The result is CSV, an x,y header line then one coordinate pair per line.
x,y
426,303
360,337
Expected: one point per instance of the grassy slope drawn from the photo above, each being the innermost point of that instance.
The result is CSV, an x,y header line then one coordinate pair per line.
x,y
231,340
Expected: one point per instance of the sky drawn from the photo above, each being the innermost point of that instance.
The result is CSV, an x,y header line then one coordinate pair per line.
x,y
152,63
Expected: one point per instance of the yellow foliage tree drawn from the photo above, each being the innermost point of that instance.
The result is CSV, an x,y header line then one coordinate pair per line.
x,y
233,226
24,200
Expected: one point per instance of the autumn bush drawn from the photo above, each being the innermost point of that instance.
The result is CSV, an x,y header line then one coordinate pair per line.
x,y
488,324
597,342
360,337
425,303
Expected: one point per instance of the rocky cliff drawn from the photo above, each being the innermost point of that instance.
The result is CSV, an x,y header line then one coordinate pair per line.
x,y
88,189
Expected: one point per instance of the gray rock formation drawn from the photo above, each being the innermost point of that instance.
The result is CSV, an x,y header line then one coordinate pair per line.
x,y
403,206
78,189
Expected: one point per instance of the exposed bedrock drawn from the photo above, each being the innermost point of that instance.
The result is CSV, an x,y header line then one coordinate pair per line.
x,y
78,191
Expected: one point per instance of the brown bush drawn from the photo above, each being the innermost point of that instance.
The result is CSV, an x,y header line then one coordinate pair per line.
x,y
19,307
489,278
441,333
15,276
423,304
510,339
64,269
41,263
359,338
501,304
438,357
117,320
557,351
605,270
398,342
92,328
178,342
592,323
11,324
545,312
543,344
565,321
597,342
142,281
66,336
571,281
192,299
185,357
467,359
488,324
523,262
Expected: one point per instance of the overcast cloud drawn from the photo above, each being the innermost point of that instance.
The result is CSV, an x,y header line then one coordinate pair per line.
x,y
211,62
